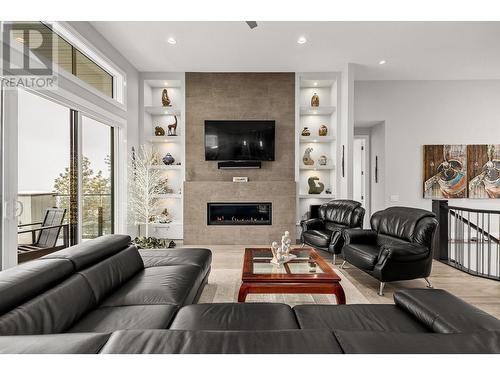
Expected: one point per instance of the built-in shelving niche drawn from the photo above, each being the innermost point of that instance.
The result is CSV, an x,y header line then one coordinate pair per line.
x,y
155,114
326,86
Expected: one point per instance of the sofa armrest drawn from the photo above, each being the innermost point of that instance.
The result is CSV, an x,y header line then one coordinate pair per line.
x,y
403,252
360,236
442,312
310,224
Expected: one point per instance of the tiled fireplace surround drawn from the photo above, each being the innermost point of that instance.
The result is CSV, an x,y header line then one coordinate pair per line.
x,y
239,96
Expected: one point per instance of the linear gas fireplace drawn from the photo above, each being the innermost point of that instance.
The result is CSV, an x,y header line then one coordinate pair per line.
x,y
239,213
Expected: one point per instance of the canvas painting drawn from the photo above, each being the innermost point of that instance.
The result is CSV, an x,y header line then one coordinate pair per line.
x,y
483,164
445,171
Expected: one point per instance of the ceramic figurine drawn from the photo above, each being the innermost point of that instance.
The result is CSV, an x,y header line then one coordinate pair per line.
x,y
168,159
313,188
286,243
323,131
159,131
322,160
172,128
165,100
306,132
307,157
315,100
274,250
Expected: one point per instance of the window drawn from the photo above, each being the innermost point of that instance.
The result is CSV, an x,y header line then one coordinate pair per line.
x,y
67,57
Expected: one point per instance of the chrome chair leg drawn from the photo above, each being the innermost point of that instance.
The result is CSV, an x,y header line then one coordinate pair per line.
x,y
429,285
303,244
343,264
381,289
334,259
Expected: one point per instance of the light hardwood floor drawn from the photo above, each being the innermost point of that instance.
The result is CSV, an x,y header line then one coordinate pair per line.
x,y
480,292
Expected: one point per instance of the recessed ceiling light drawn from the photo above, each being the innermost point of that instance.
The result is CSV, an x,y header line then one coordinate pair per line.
x,y
165,83
382,62
172,41
302,40
315,83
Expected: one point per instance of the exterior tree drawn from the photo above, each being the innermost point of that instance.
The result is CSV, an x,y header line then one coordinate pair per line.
x,y
96,189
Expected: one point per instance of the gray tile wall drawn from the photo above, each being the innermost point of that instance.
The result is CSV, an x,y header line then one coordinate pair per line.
x,y
239,96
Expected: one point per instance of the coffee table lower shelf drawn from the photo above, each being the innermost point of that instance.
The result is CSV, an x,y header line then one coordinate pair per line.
x,y
292,288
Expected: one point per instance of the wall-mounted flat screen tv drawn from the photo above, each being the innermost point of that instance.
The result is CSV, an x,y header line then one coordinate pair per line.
x,y
228,140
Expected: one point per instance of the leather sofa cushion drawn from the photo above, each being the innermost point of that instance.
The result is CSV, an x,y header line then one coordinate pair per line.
x,y
235,316
91,252
442,312
356,318
363,256
110,319
158,286
222,342
175,257
75,343
111,273
367,342
318,238
27,280
51,312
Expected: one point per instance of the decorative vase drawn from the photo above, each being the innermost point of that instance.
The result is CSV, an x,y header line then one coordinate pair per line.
x,y
313,187
323,131
306,132
165,100
306,159
159,131
315,100
168,159
322,160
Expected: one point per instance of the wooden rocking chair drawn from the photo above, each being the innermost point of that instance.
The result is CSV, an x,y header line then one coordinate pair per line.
x,y
48,234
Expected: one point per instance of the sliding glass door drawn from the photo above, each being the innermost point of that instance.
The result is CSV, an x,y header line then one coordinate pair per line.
x,y
60,186
97,178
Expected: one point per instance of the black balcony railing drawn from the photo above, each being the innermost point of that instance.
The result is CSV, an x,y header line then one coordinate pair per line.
x,y
96,213
468,239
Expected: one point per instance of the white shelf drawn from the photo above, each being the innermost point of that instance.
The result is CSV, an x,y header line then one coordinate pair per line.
x,y
166,225
316,196
166,139
316,139
316,167
168,196
162,111
317,111
166,167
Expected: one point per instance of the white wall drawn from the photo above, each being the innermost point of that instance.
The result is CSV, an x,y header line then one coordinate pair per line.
x,y
427,112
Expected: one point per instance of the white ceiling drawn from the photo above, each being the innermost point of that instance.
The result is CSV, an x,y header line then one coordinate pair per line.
x,y
413,50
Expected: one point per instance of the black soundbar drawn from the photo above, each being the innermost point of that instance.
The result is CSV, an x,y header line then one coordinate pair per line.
x,y
239,164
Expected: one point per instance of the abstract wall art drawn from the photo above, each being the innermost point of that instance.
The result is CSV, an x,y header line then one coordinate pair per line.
x,y
483,164
445,171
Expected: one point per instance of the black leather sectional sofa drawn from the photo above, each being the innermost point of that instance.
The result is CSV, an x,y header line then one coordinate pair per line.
x,y
105,296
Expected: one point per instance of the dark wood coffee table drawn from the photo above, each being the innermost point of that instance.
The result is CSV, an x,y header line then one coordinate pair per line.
x,y
307,274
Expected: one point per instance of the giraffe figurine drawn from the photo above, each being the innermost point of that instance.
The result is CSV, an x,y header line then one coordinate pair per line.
x,y
172,128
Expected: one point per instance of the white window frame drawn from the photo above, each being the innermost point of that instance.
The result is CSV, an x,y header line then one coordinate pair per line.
x,y
64,30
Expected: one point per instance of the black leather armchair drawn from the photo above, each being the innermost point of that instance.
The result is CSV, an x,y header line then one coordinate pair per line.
x,y
325,232
398,247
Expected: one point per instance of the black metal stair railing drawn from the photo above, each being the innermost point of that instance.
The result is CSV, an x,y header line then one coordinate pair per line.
x,y
468,239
